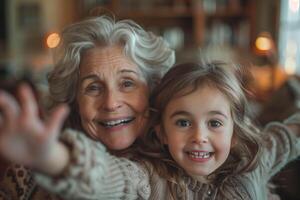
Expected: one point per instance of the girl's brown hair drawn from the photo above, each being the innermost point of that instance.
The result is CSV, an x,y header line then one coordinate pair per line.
x,y
182,80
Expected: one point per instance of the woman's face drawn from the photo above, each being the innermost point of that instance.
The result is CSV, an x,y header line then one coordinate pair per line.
x,y
112,97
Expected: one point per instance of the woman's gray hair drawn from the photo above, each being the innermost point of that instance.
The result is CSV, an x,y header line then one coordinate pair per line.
x,y
151,53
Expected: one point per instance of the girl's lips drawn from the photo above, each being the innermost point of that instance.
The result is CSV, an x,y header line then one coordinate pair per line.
x,y
199,156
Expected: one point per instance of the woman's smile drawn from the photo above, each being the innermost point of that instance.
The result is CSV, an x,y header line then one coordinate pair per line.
x,y
115,122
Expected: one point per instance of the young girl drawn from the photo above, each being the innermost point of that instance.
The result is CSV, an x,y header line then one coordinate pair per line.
x,y
202,146
204,134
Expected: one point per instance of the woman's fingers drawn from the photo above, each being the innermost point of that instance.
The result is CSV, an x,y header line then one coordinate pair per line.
x,y
28,102
56,120
29,117
9,111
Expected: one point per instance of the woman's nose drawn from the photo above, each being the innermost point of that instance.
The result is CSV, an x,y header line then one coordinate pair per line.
x,y
112,101
200,135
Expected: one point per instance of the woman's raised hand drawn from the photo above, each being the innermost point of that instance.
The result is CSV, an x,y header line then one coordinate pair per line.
x,y
27,139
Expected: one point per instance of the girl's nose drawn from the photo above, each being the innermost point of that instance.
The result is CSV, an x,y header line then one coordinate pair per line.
x,y
200,135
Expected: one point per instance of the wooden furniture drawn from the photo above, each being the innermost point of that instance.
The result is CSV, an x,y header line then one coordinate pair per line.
x,y
202,21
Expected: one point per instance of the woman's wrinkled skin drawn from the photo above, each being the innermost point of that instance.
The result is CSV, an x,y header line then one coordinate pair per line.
x,y
112,97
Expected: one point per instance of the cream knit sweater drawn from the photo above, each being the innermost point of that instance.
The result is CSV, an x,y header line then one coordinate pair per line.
x,y
95,174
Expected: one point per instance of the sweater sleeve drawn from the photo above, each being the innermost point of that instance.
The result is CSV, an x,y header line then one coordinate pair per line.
x,y
95,174
282,145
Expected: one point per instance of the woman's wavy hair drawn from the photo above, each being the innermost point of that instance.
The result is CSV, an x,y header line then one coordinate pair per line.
x,y
151,53
182,80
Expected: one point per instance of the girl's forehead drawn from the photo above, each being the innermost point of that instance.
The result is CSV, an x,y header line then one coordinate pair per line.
x,y
203,93
193,87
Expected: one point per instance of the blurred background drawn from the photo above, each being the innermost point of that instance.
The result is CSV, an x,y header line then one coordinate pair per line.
x,y
263,35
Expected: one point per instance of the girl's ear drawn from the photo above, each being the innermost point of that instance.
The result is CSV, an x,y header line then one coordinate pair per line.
x,y
233,141
160,134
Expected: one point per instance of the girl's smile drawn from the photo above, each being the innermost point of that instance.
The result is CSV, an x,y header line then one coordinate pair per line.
x,y
199,156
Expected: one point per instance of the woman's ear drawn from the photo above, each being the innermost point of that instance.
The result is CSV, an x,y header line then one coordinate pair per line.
x,y
159,134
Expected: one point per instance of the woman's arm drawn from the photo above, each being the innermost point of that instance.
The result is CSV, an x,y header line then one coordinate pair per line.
x,y
93,173
74,167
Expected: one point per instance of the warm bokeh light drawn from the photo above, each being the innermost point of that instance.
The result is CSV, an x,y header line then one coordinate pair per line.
x,y
266,79
294,5
263,43
53,40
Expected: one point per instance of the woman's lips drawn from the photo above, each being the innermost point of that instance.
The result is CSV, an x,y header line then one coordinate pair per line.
x,y
115,122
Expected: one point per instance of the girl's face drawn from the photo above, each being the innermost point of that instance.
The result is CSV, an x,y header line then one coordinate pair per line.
x,y
112,97
199,130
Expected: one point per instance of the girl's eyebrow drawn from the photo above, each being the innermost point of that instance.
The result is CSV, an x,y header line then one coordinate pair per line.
x,y
217,112
212,112
180,112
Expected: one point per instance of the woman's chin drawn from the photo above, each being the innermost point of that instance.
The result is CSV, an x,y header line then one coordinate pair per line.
x,y
115,140
119,145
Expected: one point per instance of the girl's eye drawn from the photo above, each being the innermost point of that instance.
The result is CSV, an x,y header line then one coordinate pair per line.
x,y
215,123
183,123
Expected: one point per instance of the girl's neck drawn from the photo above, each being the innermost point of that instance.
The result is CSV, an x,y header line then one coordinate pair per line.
x,y
203,179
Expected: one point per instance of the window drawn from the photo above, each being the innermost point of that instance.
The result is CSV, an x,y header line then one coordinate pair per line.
x,y
289,40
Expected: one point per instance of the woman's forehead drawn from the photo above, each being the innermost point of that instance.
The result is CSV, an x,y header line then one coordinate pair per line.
x,y
106,60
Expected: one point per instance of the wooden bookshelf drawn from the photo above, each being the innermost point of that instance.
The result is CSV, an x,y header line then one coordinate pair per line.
x,y
188,14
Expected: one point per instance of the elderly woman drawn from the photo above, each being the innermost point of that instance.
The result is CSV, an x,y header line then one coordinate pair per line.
x,y
105,71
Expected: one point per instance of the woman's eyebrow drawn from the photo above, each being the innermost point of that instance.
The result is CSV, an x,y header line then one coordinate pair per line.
x,y
95,77
90,76
129,71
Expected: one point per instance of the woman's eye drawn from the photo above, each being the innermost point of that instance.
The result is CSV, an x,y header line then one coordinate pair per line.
x,y
183,123
94,89
127,84
215,123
